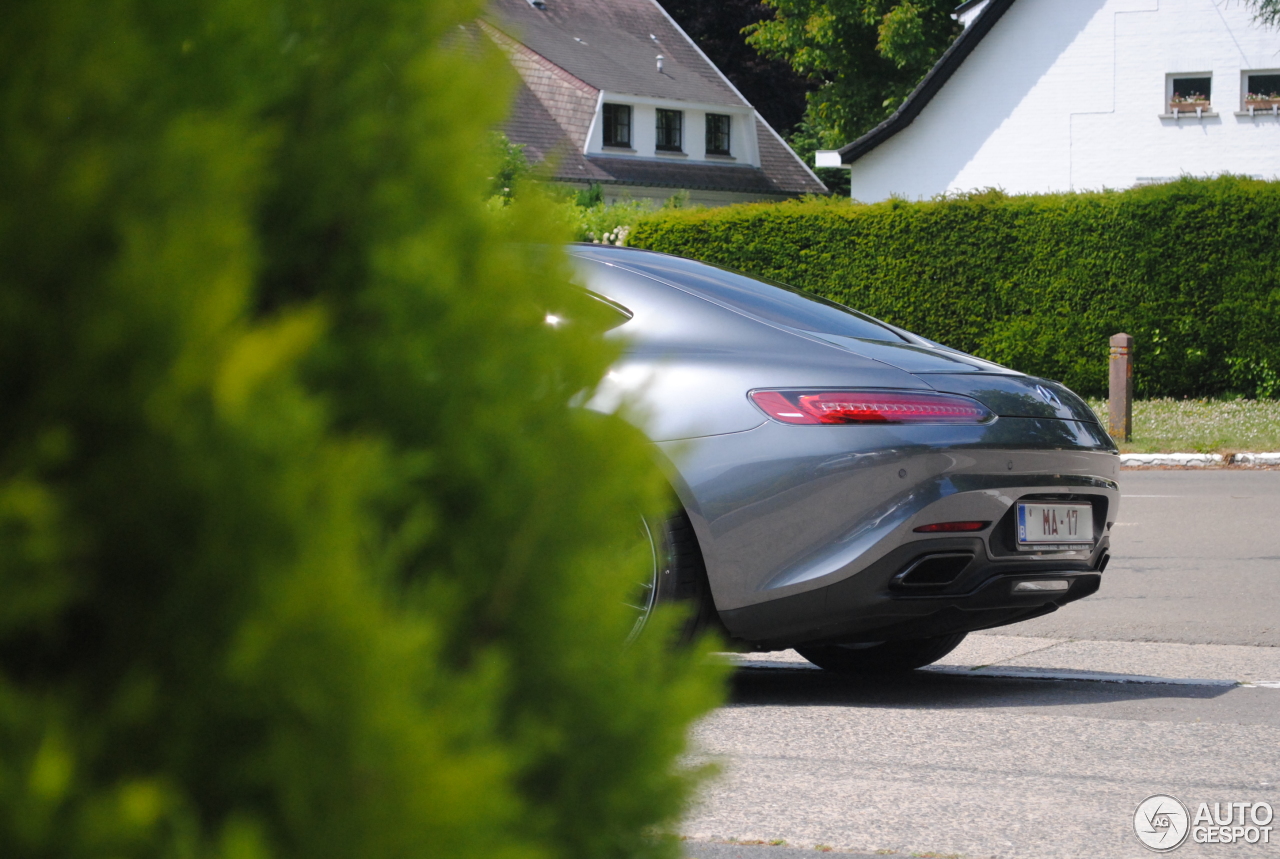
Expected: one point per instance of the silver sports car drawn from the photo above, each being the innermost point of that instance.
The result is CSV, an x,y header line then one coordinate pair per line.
x,y
848,488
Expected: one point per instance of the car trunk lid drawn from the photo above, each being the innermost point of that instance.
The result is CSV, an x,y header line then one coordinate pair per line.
x,y
1015,396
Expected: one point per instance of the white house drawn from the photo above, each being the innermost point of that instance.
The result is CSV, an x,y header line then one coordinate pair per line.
x,y
1072,95
614,93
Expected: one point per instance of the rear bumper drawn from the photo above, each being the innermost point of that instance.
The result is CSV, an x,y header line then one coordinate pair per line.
x,y
875,605
804,529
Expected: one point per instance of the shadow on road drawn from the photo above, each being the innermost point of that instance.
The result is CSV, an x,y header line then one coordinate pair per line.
x,y
799,687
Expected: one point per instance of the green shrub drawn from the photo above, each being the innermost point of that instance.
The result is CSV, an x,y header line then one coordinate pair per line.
x,y
606,223
592,219
1191,269
511,167
301,552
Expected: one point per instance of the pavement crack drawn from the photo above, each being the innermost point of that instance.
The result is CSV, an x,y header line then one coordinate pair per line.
x,y
1021,655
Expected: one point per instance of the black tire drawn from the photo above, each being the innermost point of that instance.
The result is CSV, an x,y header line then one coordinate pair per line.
x,y
678,576
887,657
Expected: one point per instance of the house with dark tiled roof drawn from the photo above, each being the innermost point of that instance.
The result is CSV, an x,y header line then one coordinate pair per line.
x,y
614,92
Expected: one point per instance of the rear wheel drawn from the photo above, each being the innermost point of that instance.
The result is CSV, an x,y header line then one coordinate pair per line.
x,y
886,657
676,574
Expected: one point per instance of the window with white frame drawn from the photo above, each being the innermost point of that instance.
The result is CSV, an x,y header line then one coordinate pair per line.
x,y
1190,93
1262,90
719,126
617,125
670,130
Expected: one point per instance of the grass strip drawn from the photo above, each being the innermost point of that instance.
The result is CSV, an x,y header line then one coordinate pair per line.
x,y
1225,426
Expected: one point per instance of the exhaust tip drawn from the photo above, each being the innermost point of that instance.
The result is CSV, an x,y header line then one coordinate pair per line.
x,y
933,572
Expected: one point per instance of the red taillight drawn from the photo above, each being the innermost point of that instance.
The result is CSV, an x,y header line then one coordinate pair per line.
x,y
869,407
952,527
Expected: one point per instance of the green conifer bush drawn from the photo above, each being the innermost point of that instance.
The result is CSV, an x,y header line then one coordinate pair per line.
x,y
302,552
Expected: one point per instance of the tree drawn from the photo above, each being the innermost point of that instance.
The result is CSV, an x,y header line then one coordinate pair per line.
x,y
302,551
1266,11
865,55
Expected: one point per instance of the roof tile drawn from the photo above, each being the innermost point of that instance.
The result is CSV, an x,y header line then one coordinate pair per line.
x,y
609,46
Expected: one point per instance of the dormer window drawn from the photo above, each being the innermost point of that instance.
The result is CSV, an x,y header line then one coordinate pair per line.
x,y
718,126
670,130
617,125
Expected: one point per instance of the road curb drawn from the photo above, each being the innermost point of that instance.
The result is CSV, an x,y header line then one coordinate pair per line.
x,y
1199,460
1255,459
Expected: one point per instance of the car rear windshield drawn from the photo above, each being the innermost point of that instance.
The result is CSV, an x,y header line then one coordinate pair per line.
x,y
765,299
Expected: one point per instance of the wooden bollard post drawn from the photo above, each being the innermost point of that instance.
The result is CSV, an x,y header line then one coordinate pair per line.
x,y
1120,403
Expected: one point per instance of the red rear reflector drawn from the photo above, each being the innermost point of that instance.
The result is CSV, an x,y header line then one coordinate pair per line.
x,y
869,407
951,527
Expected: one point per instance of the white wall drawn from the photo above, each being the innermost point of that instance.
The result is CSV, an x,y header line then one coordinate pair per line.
x,y
1069,95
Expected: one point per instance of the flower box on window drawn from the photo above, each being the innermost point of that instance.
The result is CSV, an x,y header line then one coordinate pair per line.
x,y
1189,106
1259,102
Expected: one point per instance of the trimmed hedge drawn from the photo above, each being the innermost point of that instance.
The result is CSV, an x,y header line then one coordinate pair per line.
x,y
1039,283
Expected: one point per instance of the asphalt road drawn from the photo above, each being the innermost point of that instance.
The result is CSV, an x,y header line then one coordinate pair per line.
x,y
1037,740
1196,559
